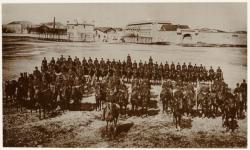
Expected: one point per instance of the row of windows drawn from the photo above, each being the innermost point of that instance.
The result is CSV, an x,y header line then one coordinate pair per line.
x,y
73,26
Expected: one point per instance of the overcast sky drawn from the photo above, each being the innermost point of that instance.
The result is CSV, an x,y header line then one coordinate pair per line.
x,y
224,16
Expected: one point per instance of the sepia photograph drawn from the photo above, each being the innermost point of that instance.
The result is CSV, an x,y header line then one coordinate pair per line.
x,y
124,75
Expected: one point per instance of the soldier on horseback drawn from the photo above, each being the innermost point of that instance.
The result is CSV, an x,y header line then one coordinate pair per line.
x,y
243,88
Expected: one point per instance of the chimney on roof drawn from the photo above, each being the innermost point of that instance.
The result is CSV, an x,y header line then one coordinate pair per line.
x,y
54,23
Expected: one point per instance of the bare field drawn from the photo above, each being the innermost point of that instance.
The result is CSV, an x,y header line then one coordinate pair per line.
x,y
86,129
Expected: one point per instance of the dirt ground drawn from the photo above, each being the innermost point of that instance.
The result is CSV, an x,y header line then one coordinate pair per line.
x,y
86,129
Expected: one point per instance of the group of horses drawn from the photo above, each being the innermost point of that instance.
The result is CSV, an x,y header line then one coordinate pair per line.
x,y
112,97
207,100
46,97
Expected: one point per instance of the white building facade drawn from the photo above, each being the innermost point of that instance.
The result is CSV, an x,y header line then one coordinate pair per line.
x,y
81,32
151,32
108,34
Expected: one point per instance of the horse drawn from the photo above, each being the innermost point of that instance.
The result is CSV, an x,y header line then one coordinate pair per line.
x,y
44,99
205,104
229,114
67,93
7,91
20,98
244,98
77,96
220,98
177,107
123,100
213,104
145,98
188,101
98,98
166,97
135,99
239,105
110,114
202,97
30,100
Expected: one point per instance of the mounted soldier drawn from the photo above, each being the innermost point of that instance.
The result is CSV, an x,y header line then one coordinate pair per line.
x,y
178,67
211,74
219,74
184,67
243,88
129,59
37,74
190,67
150,62
172,66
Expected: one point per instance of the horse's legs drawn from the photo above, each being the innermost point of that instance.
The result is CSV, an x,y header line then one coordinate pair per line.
x,y
107,127
44,111
133,108
166,107
96,106
40,112
179,121
121,108
125,110
163,107
176,122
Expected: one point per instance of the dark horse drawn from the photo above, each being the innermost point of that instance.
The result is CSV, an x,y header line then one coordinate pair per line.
x,y
188,101
76,96
135,99
123,100
166,96
229,114
145,98
177,108
44,99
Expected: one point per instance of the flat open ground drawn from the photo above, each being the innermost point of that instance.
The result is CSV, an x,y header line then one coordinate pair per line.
x,y
86,129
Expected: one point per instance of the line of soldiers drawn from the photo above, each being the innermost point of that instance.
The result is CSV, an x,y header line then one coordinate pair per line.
x,y
70,73
128,70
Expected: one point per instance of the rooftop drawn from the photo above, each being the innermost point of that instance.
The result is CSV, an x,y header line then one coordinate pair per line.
x,y
149,22
21,22
58,25
78,22
106,29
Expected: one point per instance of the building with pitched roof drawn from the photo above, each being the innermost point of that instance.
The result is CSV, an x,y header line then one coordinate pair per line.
x,y
107,34
18,27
